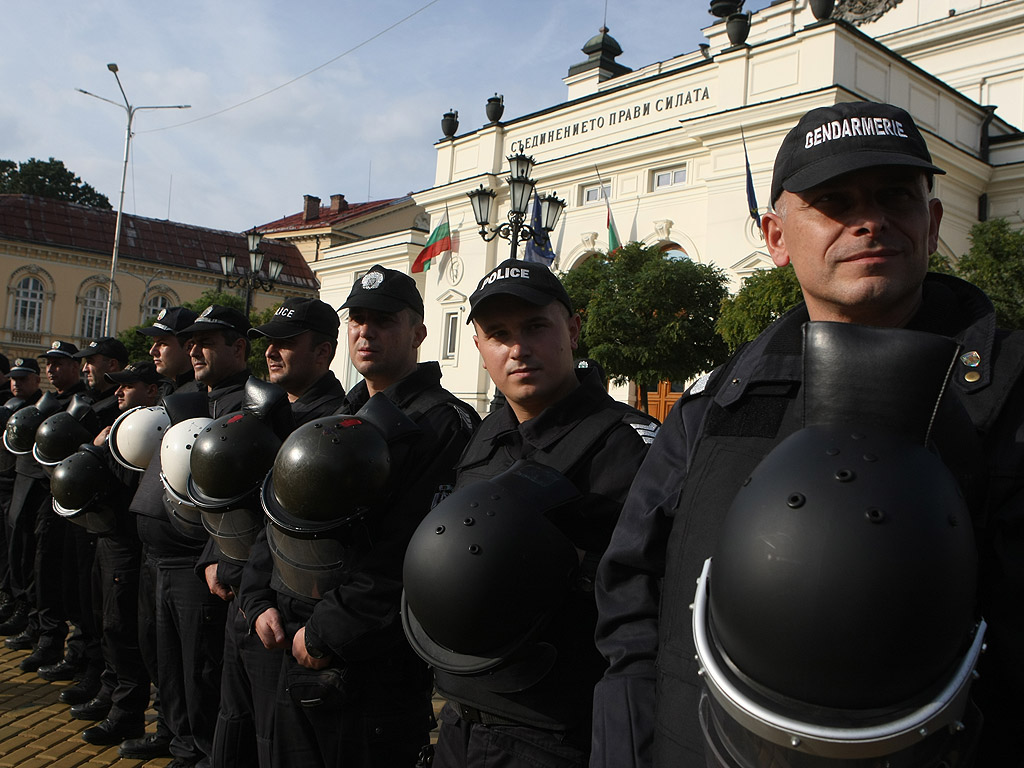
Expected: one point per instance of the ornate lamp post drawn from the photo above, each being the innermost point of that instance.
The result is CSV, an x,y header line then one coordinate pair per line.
x,y
252,279
515,230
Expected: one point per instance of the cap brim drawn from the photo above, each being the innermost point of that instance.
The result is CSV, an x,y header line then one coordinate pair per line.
x,y
57,353
274,330
836,165
155,330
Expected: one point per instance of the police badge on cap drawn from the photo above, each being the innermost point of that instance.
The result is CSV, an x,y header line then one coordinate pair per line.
x,y
385,290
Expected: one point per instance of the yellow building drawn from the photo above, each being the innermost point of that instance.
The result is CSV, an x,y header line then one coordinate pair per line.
x,y
55,257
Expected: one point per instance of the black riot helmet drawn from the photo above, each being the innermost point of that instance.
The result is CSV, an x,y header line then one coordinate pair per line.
x,y
20,432
60,434
8,409
81,486
835,619
484,571
329,474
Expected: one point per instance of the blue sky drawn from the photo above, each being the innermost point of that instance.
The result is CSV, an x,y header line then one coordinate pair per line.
x,y
363,125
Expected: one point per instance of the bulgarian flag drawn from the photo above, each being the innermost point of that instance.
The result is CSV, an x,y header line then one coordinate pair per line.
x,y
613,236
439,242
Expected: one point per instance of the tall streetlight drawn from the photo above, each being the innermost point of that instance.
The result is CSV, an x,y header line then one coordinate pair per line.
x,y
251,279
520,187
130,111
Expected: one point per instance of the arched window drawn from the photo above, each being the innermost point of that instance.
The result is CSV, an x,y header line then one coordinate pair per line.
x,y
29,297
94,312
155,305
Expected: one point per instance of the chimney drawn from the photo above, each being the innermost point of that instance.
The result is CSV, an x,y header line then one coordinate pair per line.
x,y
338,203
310,207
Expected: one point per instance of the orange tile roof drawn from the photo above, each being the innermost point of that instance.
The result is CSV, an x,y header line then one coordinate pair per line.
x,y
297,222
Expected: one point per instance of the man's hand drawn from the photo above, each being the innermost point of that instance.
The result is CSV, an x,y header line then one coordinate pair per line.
x,y
300,655
270,630
101,438
215,586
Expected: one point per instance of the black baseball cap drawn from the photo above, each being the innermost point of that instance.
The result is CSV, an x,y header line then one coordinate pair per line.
x,y
530,281
172,321
107,346
23,366
143,371
386,290
297,316
831,141
60,349
218,318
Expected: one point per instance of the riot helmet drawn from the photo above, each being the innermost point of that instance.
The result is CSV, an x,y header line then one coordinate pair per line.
x,y
835,622
60,434
136,436
8,409
20,431
485,570
328,474
175,450
81,486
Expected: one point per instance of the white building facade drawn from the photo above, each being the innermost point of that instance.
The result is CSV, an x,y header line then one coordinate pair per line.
x,y
667,142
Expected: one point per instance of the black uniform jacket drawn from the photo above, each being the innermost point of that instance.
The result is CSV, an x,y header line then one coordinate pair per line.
x,y
602,471
359,620
718,431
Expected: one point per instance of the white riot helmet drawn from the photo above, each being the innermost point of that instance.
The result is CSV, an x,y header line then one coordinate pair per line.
x,y
175,455
136,436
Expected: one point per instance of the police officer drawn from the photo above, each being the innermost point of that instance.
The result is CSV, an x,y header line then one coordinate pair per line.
x,y
24,386
302,339
191,614
118,560
559,416
38,530
101,356
855,217
367,695
160,539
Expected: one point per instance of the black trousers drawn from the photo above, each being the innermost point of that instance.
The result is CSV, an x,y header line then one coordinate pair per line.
x,y
118,560
82,599
190,645
147,634
27,495
247,689
49,572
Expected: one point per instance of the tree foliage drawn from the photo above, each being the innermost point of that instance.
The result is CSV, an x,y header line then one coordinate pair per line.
x,y
764,297
647,318
48,178
138,344
995,263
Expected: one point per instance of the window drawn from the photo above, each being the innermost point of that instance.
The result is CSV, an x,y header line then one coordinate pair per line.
x,y
28,305
156,304
451,336
670,177
94,312
592,194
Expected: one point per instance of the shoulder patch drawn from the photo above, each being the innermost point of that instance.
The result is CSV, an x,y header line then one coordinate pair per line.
x,y
646,430
699,385
464,417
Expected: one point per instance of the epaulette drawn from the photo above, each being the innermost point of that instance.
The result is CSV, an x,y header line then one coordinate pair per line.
x,y
646,427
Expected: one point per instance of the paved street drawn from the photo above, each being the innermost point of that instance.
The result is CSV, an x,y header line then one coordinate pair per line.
x,y
36,729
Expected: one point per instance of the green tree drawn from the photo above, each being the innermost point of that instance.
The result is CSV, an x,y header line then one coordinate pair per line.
x,y
647,318
138,344
995,263
48,178
764,297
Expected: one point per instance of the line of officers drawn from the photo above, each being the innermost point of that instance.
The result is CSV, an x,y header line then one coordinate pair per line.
x,y
294,568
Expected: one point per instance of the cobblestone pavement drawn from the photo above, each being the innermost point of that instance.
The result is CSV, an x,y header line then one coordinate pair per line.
x,y
36,730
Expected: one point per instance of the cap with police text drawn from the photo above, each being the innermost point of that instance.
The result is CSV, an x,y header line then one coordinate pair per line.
x,y
530,281
60,349
831,141
107,346
218,318
23,366
298,315
386,290
172,320
143,371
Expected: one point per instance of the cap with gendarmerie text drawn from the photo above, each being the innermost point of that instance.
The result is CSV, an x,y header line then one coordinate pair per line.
x,y
849,136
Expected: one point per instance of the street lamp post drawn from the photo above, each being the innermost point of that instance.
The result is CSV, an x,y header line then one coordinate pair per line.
x,y
251,279
130,111
516,230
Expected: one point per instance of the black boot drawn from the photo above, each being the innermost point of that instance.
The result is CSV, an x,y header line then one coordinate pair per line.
x,y
65,669
17,620
40,657
25,641
85,690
